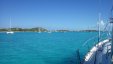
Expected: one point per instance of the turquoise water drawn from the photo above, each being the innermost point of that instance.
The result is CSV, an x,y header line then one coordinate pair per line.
x,y
43,48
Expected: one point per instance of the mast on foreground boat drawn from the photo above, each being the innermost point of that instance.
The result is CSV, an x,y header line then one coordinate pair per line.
x,y
111,21
104,50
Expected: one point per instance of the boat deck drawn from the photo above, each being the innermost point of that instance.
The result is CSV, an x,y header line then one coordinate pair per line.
x,y
101,54
112,59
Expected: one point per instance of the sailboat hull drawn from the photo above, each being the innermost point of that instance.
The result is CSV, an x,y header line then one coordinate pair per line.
x,y
11,32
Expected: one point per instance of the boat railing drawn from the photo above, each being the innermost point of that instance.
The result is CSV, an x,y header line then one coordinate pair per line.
x,y
104,37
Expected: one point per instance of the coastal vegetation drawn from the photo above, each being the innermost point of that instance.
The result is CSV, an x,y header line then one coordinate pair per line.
x,y
37,29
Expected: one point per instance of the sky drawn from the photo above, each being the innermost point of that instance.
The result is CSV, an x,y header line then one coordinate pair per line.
x,y
53,14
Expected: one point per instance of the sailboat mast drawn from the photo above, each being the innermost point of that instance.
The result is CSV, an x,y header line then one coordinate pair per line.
x,y
99,19
99,27
10,24
111,21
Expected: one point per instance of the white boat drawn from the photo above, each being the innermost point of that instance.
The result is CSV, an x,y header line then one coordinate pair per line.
x,y
102,52
99,54
39,31
10,31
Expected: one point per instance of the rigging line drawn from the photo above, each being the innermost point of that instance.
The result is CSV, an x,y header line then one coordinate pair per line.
x,y
89,40
111,11
112,4
103,37
106,26
94,36
108,30
92,39
103,29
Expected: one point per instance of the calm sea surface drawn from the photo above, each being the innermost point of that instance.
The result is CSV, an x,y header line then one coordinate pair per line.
x,y
43,48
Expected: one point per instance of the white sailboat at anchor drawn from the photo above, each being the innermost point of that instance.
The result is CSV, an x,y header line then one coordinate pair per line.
x,y
10,31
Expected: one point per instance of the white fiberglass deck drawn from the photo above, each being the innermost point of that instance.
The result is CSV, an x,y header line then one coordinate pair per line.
x,y
99,54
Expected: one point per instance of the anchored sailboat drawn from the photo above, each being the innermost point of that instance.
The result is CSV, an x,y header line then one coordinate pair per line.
x,y
39,31
10,31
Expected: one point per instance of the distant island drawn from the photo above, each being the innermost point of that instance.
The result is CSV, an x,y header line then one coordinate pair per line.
x,y
37,29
